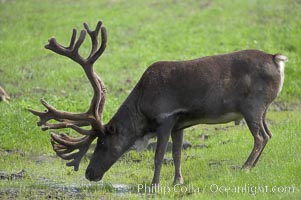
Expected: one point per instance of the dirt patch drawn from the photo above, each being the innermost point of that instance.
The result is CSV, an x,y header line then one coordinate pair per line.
x,y
39,159
218,163
12,151
12,176
204,137
201,146
279,106
205,5
14,193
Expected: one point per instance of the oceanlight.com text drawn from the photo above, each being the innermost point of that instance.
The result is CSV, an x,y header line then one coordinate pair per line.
x,y
251,189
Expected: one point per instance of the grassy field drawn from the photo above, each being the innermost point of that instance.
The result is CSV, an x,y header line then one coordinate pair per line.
x,y
140,33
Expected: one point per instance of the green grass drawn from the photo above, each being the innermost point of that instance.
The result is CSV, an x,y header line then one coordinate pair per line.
x,y
140,33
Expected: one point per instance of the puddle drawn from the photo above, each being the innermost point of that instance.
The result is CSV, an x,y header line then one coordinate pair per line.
x,y
62,187
40,187
84,189
38,193
121,188
45,188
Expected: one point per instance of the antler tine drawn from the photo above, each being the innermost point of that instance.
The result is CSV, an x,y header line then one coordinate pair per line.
x,y
69,141
65,124
79,42
71,51
81,130
68,138
103,99
76,159
94,36
80,119
43,120
64,146
72,41
102,47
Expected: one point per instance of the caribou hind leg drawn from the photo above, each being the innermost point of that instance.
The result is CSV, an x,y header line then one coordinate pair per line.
x,y
255,122
267,134
266,126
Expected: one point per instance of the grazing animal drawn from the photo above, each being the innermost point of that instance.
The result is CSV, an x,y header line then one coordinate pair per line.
x,y
169,97
3,95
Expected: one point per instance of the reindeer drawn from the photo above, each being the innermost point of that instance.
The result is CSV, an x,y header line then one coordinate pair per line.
x,y
169,97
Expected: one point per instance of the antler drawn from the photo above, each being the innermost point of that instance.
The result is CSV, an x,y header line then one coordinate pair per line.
x,y
63,145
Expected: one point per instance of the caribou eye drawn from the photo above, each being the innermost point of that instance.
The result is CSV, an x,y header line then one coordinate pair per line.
x,y
102,145
101,141
111,129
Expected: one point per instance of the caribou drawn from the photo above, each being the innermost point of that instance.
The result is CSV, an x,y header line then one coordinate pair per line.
x,y
169,97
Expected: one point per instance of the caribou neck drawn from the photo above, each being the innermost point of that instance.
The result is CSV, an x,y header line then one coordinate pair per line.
x,y
128,122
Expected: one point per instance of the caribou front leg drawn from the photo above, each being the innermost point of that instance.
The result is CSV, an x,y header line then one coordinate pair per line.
x,y
177,143
163,133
